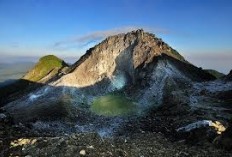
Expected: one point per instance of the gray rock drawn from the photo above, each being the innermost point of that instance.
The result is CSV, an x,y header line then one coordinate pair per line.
x,y
2,117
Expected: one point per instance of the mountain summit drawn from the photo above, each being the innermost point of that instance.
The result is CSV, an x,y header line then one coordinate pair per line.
x,y
127,54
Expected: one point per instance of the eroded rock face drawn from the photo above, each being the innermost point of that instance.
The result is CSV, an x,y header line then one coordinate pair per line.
x,y
123,53
135,58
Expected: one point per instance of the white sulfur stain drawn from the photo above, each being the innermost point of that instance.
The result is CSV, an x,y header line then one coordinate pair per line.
x,y
211,87
43,91
102,131
118,82
83,128
54,126
193,100
105,132
101,128
33,97
2,116
160,74
218,86
198,124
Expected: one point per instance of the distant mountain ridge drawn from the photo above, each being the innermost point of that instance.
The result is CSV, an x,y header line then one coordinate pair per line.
x,y
215,73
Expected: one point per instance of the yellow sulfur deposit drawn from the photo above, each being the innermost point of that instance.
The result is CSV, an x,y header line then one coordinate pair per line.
x,y
22,141
218,126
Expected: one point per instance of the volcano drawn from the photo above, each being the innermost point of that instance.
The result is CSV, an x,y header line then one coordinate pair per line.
x,y
135,61
125,86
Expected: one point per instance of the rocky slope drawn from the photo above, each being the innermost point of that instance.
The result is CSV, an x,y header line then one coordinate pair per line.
x,y
228,77
176,102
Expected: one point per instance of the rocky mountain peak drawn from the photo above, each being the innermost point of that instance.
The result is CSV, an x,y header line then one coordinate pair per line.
x,y
142,44
123,54
136,60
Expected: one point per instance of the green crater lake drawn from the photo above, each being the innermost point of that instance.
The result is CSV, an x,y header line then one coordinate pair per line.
x,y
113,105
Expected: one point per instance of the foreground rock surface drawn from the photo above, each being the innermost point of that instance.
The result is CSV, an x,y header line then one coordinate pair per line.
x,y
151,135
139,144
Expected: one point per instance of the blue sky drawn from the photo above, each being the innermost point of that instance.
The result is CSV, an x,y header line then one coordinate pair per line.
x,y
200,30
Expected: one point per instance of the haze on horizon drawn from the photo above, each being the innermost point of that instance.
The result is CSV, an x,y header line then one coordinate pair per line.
x,y
200,30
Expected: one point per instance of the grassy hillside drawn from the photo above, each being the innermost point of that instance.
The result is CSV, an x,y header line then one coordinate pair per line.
x,y
214,73
47,64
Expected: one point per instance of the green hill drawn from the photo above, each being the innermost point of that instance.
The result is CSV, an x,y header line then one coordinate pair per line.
x,y
214,73
47,65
